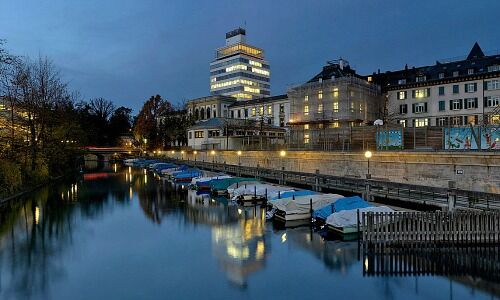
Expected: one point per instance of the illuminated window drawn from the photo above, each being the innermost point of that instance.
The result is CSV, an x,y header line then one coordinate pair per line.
x,y
421,93
236,68
269,110
306,138
370,79
260,71
361,107
242,95
320,95
320,108
255,63
335,124
254,111
495,119
306,98
352,106
261,110
402,95
402,123
335,93
420,122
251,90
335,107
306,110
306,126
198,134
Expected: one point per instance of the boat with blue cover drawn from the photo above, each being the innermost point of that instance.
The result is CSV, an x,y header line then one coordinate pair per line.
x,y
346,203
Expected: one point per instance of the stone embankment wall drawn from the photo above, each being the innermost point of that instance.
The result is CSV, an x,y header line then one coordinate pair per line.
x,y
470,171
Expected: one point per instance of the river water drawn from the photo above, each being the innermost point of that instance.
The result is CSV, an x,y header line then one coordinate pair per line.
x,y
121,233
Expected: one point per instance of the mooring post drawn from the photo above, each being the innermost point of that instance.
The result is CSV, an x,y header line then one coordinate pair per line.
x,y
452,195
282,180
316,182
367,193
311,207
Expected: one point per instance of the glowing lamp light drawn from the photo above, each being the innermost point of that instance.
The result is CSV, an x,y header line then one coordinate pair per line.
x,y
239,153
172,152
368,154
195,152
283,153
212,152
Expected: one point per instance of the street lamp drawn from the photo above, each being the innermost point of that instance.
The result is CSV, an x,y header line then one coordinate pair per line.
x,y
182,154
195,152
239,158
282,155
368,155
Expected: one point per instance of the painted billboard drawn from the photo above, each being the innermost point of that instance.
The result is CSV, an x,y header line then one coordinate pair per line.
x,y
390,139
472,138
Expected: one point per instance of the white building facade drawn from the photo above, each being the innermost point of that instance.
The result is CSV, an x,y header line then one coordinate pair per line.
x,y
455,93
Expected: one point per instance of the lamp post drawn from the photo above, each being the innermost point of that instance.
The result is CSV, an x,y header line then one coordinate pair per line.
x,y
239,162
282,155
368,155
239,158
182,154
213,159
194,153
173,152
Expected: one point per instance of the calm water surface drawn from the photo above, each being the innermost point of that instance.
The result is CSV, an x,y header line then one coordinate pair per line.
x,y
123,234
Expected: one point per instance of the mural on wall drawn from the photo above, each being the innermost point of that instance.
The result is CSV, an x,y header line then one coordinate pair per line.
x,y
490,138
390,139
467,138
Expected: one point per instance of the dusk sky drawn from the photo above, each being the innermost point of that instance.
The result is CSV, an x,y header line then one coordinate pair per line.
x,y
128,50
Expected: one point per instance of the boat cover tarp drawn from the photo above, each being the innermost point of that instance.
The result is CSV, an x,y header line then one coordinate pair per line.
x,y
301,203
348,218
223,184
346,203
187,174
259,189
207,180
290,194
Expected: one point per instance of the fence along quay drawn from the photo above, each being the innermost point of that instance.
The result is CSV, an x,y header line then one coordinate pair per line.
x,y
370,188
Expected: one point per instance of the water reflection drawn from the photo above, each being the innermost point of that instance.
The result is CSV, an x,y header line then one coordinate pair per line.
x,y
40,237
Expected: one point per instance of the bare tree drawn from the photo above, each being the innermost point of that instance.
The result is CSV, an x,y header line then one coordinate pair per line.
x,y
102,108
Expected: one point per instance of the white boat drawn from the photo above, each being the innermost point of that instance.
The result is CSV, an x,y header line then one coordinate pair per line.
x,y
257,191
234,186
208,178
290,209
130,162
346,222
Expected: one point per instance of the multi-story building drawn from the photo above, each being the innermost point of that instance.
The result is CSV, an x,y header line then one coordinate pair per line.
x,y
239,69
210,107
330,103
270,110
449,93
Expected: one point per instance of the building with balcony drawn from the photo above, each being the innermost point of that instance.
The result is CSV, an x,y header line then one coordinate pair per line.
x,y
453,92
239,69
324,108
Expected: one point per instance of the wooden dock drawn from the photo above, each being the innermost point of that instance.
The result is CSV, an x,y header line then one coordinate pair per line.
x,y
434,228
369,188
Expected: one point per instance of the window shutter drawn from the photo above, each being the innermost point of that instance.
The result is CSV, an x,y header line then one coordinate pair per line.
x,y
461,103
413,94
475,103
485,101
425,107
466,88
451,104
485,85
475,86
428,92
413,108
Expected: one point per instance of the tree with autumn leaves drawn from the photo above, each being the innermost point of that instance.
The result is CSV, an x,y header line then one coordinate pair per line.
x,y
160,125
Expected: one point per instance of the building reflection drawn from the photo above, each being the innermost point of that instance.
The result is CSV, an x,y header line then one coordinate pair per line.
x,y
241,247
336,255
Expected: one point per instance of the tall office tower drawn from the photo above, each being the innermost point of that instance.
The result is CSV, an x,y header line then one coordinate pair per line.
x,y
239,69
